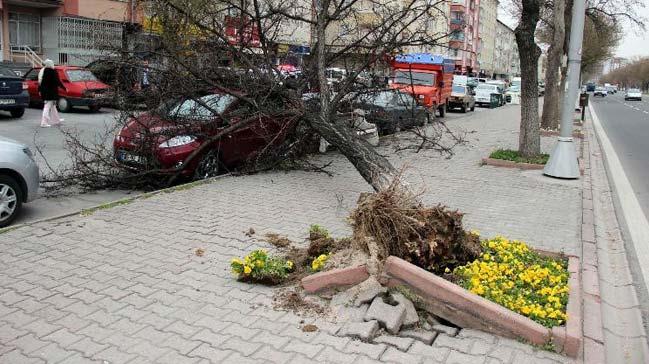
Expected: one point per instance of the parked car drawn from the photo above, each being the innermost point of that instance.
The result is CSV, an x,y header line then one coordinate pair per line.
x,y
462,97
353,116
164,138
600,91
19,179
116,73
82,88
633,94
512,91
484,92
391,110
13,93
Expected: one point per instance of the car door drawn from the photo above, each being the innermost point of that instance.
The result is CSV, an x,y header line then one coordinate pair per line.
x,y
31,78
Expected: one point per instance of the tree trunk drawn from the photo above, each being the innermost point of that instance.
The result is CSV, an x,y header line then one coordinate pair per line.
x,y
529,140
551,104
373,167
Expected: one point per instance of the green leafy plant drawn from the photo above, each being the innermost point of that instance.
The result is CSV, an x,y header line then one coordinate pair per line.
x,y
514,156
318,232
509,273
259,267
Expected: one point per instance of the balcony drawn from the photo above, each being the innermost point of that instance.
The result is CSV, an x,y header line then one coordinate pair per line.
x,y
461,8
36,3
368,20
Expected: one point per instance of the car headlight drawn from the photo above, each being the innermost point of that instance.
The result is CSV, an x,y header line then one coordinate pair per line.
x,y
177,141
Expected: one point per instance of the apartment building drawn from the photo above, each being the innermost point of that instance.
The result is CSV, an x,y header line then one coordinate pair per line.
x,y
464,37
487,34
506,60
66,31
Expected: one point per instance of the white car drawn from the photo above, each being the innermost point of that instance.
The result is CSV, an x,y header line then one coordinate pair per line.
x,y
484,91
633,94
600,91
18,179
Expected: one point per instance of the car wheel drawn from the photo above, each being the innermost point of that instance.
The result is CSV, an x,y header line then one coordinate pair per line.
x,y
17,113
94,108
473,107
464,107
63,105
11,199
442,110
209,166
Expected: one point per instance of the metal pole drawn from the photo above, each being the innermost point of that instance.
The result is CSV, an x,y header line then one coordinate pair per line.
x,y
563,160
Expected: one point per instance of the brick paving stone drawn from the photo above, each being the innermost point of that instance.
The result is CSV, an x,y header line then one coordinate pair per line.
x,y
271,355
329,355
172,357
16,356
85,273
52,353
28,343
456,357
306,349
87,347
241,346
208,352
63,337
397,356
436,353
401,343
373,351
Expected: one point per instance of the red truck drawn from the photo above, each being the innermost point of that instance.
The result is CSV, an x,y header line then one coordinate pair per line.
x,y
427,77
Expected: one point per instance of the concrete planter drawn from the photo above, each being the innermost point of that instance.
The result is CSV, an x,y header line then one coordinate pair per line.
x,y
469,310
555,133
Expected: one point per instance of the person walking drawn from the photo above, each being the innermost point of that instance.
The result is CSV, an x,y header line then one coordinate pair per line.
x,y
49,83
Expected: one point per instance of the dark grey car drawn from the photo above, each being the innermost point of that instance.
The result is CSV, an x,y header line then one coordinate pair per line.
x,y
391,110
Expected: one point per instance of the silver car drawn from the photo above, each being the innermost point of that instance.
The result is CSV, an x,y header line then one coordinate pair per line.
x,y
18,179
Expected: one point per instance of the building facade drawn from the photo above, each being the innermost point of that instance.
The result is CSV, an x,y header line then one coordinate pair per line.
x,y
487,33
66,31
463,42
506,61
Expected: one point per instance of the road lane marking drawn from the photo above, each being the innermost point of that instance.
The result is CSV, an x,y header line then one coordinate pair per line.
x,y
634,217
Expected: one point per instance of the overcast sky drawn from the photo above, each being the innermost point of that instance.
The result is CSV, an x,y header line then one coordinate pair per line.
x,y
635,42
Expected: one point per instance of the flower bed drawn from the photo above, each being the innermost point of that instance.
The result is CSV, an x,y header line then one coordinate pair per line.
x,y
259,267
511,274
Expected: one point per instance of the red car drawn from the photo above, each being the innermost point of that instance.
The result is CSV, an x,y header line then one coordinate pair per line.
x,y
82,88
163,139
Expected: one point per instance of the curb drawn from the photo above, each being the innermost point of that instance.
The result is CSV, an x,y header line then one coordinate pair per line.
x,y
472,310
553,133
140,196
511,164
335,278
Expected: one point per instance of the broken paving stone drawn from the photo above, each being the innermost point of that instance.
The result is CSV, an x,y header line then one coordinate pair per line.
x,y
351,313
411,313
424,336
401,343
362,330
359,294
368,290
448,330
390,317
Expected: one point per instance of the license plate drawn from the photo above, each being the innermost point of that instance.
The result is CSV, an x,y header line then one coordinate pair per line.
x,y
7,101
123,156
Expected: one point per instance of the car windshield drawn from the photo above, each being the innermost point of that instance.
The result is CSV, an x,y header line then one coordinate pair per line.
x,y
80,75
418,78
634,90
205,107
459,89
6,72
514,88
388,98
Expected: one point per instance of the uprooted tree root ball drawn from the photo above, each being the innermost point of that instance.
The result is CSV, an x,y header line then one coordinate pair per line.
x,y
394,222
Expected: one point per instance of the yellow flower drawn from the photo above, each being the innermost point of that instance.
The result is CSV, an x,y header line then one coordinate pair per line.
x,y
247,270
289,264
259,263
236,261
447,270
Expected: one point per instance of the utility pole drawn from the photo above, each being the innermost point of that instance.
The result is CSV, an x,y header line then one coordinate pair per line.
x,y
563,160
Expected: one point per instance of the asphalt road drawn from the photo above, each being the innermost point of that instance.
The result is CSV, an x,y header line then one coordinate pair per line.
x,y
627,125
52,154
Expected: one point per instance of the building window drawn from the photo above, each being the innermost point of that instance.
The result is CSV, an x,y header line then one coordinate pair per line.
x,y
25,30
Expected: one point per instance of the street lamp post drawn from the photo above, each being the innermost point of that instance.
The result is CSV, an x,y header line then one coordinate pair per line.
x,y
563,160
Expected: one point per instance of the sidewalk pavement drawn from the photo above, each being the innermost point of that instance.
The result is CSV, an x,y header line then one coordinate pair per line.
x,y
123,285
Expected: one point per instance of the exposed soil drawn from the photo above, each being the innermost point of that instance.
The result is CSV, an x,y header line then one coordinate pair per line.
x,y
291,300
277,240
